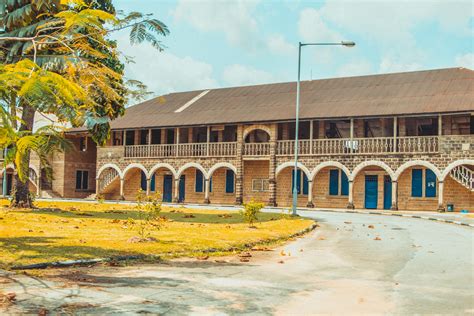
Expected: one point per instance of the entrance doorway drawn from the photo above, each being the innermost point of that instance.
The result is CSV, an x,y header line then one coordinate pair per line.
x,y
371,191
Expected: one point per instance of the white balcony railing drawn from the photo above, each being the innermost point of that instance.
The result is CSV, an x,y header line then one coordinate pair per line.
x,y
316,147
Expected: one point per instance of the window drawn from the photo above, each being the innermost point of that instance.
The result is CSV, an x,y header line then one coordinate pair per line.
x,y
129,137
420,189
301,182
143,182
260,185
82,180
338,182
83,143
199,185
229,181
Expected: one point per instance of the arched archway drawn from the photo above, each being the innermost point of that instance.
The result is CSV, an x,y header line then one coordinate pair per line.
x,y
109,166
252,128
455,164
163,166
285,181
134,166
222,182
458,185
372,163
330,184
108,181
418,185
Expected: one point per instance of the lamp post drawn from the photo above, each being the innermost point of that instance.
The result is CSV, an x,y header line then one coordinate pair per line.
x,y
295,171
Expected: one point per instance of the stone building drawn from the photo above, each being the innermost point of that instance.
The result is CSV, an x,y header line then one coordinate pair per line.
x,y
392,141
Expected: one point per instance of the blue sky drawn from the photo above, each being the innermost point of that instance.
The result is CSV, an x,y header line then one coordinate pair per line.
x,y
231,43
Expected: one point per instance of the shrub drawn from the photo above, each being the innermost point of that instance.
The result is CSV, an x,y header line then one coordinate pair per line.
x,y
251,211
149,208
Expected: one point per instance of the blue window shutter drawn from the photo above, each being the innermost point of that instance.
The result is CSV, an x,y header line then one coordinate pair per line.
x,y
143,181
152,184
199,180
229,181
210,184
333,182
305,184
298,181
344,184
416,182
430,183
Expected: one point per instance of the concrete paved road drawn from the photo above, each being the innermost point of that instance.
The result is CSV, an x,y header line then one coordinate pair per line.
x,y
417,266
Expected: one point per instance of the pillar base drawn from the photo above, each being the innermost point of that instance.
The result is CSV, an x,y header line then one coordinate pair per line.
x,y
394,208
207,201
175,200
122,198
310,205
239,201
351,206
441,209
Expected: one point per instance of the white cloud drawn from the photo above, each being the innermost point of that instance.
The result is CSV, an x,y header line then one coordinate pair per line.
x,y
165,72
389,64
240,75
356,68
312,27
234,18
466,60
278,45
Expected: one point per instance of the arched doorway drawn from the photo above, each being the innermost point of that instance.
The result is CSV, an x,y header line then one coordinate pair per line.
x,y
223,179
330,185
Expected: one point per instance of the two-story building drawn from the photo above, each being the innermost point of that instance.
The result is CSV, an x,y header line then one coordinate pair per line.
x,y
391,141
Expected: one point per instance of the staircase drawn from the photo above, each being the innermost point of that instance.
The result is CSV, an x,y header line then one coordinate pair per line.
x,y
464,176
49,194
108,177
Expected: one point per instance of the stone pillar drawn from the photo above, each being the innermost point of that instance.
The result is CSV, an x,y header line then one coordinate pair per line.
x,y
122,182
310,194
394,206
441,196
206,191
272,167
148,186
239,189
350,205
176,191
97,184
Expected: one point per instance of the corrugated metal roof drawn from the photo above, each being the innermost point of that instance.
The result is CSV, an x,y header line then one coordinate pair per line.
x,y
420,92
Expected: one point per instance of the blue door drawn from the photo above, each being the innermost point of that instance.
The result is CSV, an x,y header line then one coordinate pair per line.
x,y
371,192
167,188
387,192
182,185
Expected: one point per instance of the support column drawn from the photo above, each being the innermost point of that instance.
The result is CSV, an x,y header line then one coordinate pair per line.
x,y
310,194
350,205
440,125
122,182
148,186
441,196
311,136
239,189
395,132
272,184
206,191
394,206
97,184
208,140
176,191
352,135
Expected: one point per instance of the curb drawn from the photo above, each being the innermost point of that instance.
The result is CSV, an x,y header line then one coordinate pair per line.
x,y
437,219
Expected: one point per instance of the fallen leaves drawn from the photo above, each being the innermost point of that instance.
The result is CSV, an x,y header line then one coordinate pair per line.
x,y
371,226
7,299
377,238
203,258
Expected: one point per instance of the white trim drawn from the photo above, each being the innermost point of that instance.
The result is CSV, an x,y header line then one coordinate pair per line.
x,y
165,166
190,102
455,164
133,166
107,166
375,163
414,163
292,164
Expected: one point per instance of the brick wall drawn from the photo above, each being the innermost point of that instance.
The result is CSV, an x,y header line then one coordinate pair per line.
x,y
255,169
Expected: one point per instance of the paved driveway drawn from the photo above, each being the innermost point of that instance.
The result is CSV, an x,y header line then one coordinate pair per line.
x,y
399,266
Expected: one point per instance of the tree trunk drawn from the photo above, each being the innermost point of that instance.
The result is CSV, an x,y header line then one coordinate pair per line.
x,y
22,196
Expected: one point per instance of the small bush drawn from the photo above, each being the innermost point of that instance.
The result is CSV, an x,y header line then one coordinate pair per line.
x,y
251,211
149,208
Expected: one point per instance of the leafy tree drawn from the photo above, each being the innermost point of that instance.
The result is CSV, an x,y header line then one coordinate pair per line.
x,y
56,57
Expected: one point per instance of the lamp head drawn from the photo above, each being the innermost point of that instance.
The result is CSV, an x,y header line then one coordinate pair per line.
x,y
348,43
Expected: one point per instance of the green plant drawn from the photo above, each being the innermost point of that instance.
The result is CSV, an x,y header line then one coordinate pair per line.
x,y
100,198
251,211
149,208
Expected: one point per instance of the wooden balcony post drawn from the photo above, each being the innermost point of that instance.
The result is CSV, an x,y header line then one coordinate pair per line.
x,y
394,206
208,140
177,141
311,137
440,125
240,167
395,132
124,140
352,135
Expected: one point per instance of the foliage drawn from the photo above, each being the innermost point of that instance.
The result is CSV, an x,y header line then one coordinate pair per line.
x,y
149,208
21,143
251,211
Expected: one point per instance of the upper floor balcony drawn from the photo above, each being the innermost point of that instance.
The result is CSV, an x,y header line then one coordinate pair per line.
x,y
386,136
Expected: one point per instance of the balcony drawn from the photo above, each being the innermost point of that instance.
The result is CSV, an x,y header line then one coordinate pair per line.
x,y
317,147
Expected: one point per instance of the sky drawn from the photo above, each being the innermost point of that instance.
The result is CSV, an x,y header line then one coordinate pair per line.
x,y
214,44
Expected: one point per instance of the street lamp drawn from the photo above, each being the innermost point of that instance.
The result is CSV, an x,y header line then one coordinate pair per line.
x,y
295,171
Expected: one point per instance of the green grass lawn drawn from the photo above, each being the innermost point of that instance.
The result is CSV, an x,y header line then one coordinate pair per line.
x,y
66,230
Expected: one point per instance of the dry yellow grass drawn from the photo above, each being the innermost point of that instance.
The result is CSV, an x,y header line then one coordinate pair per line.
x,y
66,230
